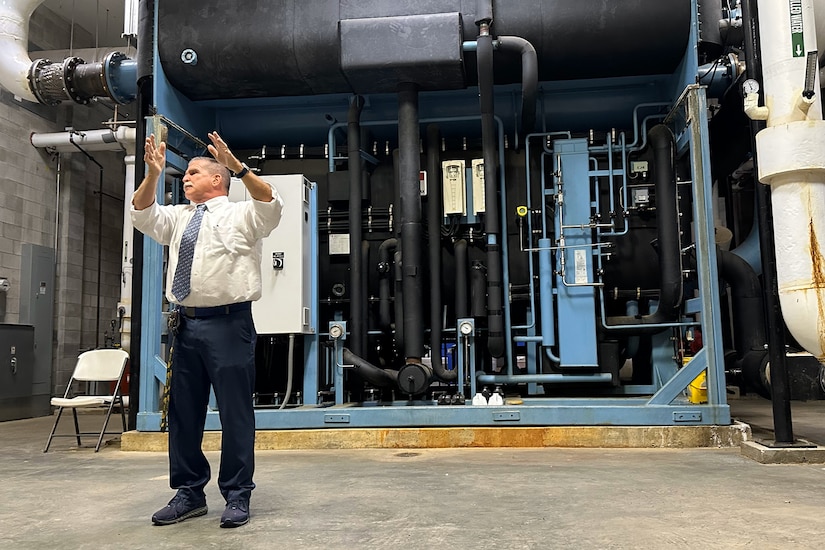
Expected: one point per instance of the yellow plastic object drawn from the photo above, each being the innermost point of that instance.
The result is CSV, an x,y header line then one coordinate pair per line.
x,y
698,389
521,211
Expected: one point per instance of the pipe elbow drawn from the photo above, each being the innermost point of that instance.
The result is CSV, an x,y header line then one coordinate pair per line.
x,y
804,319
752,108
15,65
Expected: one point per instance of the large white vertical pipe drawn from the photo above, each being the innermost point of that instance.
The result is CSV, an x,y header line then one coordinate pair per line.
x,y
791,153
126,136
14,44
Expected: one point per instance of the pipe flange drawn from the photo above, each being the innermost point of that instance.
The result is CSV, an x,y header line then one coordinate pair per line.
x,y
69,67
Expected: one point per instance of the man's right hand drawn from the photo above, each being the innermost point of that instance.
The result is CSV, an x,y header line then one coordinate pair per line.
x,y
154,156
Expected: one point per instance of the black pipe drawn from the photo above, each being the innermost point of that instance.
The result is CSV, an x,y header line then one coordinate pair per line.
x,y
460,249
779,379
492,224
668,242
398,273
356,277
529,78
434,215
411,238
365,303
484,11
145,56
746,301
385,267
369,372
478,289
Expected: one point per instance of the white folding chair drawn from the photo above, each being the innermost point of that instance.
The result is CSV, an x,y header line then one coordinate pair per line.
x,y
99,365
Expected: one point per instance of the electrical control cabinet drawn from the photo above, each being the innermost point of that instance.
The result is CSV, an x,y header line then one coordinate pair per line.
x,y
285,305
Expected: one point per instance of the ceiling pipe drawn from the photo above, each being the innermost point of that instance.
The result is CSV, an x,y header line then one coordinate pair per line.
x,y
122,138
43,81
14,32
791,162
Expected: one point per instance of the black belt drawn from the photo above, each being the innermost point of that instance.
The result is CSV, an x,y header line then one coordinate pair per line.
x,y
196,312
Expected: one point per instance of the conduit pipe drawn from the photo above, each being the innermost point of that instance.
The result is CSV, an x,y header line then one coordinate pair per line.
x,y
792,163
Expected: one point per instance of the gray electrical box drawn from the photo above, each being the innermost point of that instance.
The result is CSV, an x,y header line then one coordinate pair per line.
x,y
285,306
16,371
37,309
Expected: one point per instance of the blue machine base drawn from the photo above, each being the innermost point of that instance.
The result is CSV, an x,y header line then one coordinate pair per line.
x,y
535,412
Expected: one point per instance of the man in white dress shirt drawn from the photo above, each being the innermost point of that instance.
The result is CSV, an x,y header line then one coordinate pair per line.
x,y
214,273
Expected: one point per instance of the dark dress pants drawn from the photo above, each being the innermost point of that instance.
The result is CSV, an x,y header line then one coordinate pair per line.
x,y
217,350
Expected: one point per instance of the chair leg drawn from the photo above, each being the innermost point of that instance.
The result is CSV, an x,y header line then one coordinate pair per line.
x,y
105,424
76,426
123,413
54,429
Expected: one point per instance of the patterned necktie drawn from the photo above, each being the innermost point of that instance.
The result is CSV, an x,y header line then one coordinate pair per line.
x,y
181,286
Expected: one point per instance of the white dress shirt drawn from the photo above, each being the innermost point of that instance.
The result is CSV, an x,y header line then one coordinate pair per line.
x,y
226,268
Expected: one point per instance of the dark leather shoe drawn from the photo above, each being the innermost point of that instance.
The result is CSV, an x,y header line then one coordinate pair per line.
x,y
235,514
179,508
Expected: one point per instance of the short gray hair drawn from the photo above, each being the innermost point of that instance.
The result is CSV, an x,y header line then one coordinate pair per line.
x,y
216,167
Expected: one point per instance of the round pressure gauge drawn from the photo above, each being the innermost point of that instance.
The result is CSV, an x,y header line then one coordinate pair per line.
x,y
336,331
750,86
465,328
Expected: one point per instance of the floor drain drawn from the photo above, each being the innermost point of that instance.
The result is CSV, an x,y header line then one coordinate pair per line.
x,y
407,455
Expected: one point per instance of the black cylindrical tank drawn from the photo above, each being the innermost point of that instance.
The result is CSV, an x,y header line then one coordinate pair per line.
x,y
213,49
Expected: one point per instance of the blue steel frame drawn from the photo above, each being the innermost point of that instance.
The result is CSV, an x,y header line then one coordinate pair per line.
x,y
666,406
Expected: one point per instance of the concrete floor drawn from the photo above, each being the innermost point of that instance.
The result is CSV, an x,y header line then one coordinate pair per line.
x,y
424,498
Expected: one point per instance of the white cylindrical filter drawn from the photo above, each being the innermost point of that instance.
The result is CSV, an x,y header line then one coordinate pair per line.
x,y
791,153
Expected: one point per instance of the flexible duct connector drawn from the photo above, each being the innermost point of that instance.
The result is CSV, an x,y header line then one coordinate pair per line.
x,y
411,238
661,140
529,78
356,277
72,79
374,375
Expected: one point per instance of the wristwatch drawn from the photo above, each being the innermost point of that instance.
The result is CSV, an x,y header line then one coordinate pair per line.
x,y
244,171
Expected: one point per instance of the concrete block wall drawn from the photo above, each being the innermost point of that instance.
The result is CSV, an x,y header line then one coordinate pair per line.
x,y
54,201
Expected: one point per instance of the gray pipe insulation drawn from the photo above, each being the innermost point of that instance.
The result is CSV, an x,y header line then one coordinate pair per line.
x,y
661,139
385,276
434,215
356,276
529,78
382,378
411,238
492,223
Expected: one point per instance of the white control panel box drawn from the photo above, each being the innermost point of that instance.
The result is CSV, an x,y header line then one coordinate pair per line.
x,y
286,305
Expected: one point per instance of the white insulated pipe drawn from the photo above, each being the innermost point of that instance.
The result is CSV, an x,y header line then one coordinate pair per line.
x,y
121,138
14,42
791,152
